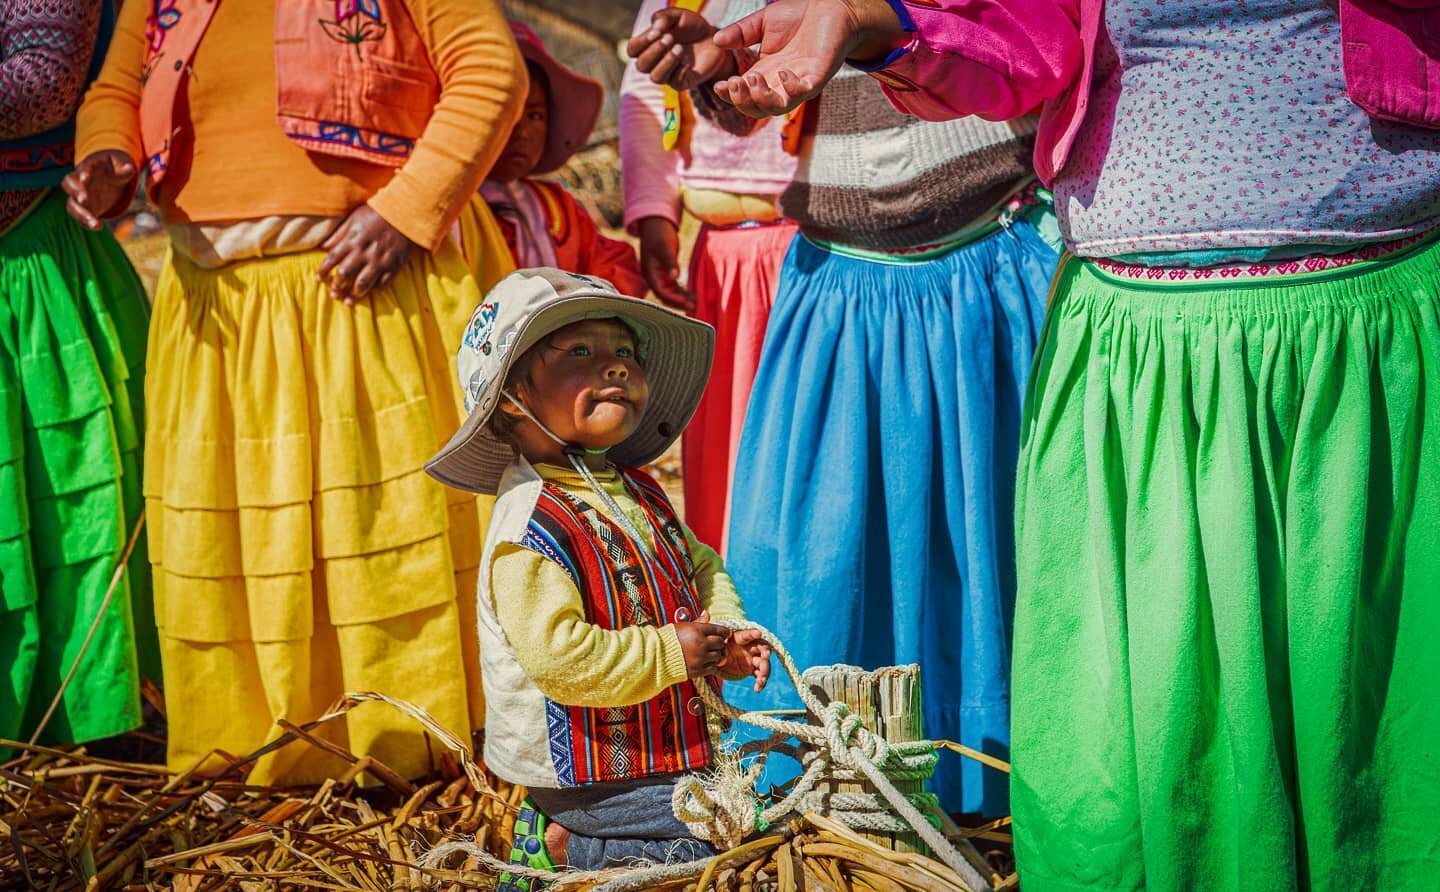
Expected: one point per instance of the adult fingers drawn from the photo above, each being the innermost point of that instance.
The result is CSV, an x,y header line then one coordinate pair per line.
x,y
672,66
762,674
386,278
746,32
334,238
367,277
122,166
342,273
745,636
674,295
653,53
81,213
797,88
336,250
657,262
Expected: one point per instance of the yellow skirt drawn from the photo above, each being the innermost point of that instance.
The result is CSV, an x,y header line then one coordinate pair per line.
x,y
482,243
299,549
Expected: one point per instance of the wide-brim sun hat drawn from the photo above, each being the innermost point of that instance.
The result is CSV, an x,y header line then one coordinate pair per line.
x,y
575,103
674,350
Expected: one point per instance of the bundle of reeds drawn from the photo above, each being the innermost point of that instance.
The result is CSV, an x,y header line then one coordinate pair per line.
x,y
70,820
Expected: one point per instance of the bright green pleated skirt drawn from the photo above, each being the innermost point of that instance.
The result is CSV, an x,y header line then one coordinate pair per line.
x,y
73,322
1227,639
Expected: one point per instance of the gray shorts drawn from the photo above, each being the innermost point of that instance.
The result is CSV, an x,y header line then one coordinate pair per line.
x,y
619,823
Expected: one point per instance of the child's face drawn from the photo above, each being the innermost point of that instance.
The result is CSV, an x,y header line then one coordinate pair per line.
x,y
586,385
527,140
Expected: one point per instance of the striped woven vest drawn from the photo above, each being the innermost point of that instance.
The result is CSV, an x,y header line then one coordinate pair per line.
x,y
621,586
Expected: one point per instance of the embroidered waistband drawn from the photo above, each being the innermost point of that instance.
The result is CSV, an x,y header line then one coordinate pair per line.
x,y
999,216
1261,270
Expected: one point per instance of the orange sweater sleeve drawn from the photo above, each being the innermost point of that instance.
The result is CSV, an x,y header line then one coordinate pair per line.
x,y
482,91
109,118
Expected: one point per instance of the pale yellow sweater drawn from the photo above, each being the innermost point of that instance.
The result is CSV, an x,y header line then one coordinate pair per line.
x,y
572,661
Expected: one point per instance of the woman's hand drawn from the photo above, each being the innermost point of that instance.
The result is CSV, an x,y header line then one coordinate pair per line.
x,y
746,654
802,44
703,644
97,185
365,253
676,50
659,261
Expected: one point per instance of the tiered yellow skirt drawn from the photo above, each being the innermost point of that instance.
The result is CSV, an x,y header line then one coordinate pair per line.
x,y
299,549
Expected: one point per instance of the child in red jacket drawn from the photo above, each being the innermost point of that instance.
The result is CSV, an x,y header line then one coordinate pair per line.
x,y
542,222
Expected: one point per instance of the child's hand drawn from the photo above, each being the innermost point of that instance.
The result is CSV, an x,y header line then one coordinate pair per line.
x,y
659,250
365,254
676,50
97,184
746,654
703,643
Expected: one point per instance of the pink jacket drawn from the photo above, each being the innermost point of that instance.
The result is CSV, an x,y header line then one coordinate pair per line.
x,y
1002,58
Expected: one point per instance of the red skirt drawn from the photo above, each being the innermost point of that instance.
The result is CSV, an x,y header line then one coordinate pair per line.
x,y
734,272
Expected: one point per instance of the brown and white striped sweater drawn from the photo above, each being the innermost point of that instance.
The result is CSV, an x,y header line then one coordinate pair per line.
x,y
874,178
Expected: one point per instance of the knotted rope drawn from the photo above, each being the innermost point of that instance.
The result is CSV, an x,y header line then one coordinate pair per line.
x,y
722,806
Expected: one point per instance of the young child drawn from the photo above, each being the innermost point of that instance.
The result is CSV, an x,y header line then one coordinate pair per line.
x,y
542,223
299,355
594,598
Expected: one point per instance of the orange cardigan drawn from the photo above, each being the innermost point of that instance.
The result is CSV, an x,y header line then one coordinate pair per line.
x,y
239,165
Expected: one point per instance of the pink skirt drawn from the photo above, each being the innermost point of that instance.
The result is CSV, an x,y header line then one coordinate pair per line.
x,y
734,273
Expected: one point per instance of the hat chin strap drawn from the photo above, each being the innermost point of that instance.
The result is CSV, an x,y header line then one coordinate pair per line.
x,y
568,447
576,455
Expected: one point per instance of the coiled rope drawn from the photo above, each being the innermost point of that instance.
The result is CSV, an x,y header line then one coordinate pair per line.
x,y
721,806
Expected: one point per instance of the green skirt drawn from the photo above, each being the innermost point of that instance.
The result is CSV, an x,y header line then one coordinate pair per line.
x,y
1227,639
73,320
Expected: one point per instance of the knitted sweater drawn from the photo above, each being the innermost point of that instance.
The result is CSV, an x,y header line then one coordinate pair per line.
x,y
872,177
45,51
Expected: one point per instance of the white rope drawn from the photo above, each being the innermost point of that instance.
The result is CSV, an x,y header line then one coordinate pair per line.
x,y
613,879
842,748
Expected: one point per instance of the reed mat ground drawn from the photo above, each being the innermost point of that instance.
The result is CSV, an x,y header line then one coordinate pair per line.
x,y
73,820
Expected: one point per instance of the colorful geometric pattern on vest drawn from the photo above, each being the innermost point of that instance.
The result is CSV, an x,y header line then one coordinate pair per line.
x,y
621,586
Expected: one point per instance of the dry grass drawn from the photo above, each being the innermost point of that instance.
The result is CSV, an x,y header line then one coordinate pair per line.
x,y
70,820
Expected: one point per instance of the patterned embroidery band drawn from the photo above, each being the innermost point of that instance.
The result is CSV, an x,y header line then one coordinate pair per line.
x,y
1262,270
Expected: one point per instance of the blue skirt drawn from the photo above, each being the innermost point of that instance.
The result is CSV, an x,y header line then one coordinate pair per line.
x,y
871,519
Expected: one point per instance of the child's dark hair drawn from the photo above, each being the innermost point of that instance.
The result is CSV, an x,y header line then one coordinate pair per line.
x,y
537,74
502,424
